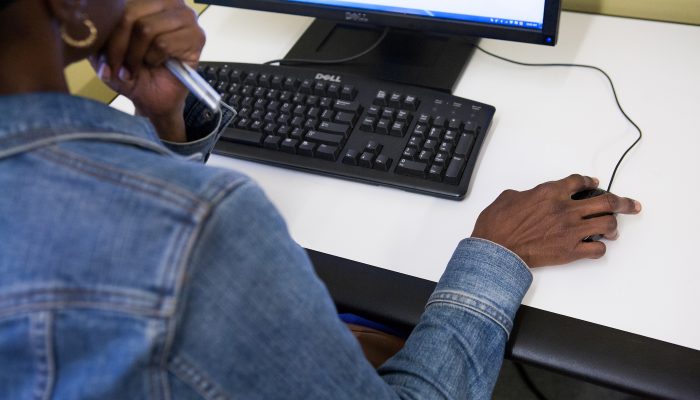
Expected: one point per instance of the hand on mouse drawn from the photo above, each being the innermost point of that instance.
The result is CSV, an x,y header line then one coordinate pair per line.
x,y
132,61
544,226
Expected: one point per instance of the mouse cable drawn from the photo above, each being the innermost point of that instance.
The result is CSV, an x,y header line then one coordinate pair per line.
x,y
612,86
293,61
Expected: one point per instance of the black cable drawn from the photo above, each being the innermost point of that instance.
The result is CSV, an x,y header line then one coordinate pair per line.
x,y
330,62
528,382
617,100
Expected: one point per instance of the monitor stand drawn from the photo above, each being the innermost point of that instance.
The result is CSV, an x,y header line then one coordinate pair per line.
x,y
424,59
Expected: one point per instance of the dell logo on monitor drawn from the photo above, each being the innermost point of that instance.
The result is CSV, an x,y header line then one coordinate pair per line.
x,y
356,17
329,78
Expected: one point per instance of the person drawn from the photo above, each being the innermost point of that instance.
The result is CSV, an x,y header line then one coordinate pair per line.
x,y
132,272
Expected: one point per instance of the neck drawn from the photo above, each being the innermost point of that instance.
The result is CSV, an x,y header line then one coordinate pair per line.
x,y
32,59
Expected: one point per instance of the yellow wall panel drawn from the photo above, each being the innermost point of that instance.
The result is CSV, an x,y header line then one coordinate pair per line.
x,y
83,81
683,11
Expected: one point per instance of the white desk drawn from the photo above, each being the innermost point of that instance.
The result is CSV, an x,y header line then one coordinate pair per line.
x,y
549,123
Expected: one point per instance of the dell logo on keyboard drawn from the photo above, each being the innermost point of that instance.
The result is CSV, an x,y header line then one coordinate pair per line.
x,y
356,17
329,78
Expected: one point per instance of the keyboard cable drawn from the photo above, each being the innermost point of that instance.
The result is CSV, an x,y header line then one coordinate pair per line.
x,y
296,61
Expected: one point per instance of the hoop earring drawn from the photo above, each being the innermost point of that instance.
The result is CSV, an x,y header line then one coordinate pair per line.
x,y
84,43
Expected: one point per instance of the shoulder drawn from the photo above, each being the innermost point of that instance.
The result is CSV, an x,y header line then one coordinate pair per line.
x,y
161,172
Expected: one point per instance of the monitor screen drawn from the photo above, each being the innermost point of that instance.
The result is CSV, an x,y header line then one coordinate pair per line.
x,y
528,14
530,21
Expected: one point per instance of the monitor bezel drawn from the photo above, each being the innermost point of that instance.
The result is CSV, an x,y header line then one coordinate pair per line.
x,y
547,36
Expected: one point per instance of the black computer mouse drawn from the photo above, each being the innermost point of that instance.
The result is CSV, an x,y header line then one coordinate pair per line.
x,y
587,194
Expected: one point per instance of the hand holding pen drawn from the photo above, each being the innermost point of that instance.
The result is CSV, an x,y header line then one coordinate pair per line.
x,y
159,41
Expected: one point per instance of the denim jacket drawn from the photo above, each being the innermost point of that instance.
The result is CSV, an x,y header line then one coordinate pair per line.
x,y
129,272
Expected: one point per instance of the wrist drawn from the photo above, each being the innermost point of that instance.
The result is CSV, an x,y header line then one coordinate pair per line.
x,y
169,126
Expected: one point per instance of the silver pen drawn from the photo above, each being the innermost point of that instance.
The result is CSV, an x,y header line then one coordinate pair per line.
x,y
195,83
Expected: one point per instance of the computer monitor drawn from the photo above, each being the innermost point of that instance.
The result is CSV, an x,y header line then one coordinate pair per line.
x,y
430,41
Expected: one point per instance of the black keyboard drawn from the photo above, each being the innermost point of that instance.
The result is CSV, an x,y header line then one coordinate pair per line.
x,y
351,127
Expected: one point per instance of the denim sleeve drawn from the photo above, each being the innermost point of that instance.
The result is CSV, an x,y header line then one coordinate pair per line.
x,y
456,350
203,128
257,323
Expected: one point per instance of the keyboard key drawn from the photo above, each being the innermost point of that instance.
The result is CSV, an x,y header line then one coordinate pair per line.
x,y
415,142
277,82
311,124
445,148
454,124
470,127
383,127
257,115
464,147
435,173
398,129
404,116
312,101
306,86
425,119
454,171
395,100
327,115
320,88
411,103
307,148
236,76
345,118
256,126
347,106
430,145
383,162
348,93
409,153
243,137
283,131
297,133
286,96
374,111
435,134
272,142
327,138
314,112
289,145
270,128
439,121
411,168
367,160
264,80
351,157
334,90
450,136
368,124
380,99
388,113
327,152
440,159
251,79
332,127
425,156
325,102
420,130
291,83
373,147
243,123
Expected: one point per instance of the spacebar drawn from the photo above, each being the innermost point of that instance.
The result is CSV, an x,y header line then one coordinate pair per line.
x,y
250,138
